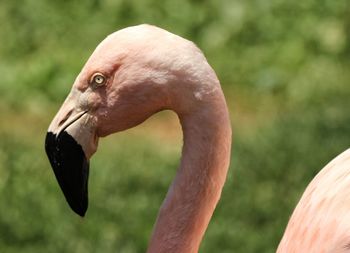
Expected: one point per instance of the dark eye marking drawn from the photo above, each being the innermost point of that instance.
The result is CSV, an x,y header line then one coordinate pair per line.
x,y
347,246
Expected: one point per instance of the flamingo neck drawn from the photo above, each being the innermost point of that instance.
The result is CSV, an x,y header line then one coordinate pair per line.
x,y
196,189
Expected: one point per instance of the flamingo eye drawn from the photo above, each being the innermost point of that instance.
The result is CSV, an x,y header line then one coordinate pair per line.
x,y
98,79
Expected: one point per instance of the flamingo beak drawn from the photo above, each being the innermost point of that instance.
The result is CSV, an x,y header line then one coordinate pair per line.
x,y
70,142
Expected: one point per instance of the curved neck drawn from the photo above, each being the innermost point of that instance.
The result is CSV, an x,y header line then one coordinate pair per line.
x,y
196,189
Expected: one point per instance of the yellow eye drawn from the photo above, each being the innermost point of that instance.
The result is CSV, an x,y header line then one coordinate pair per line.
x,y
98,79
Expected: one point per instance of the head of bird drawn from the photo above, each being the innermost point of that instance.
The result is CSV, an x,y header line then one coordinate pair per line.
x,y
131,75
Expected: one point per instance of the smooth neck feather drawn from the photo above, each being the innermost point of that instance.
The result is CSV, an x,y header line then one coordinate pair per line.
x,y
196,189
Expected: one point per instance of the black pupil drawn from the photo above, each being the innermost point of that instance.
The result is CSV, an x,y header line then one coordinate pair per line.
x,y
99,79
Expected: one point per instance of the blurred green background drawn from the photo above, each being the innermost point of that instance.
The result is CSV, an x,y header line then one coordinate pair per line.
x,y
284,67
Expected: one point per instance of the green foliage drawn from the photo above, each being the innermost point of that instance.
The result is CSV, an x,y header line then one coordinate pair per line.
x,y
283,65
270,170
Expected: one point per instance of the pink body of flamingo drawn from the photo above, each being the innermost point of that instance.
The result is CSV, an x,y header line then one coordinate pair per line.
x,y
138,71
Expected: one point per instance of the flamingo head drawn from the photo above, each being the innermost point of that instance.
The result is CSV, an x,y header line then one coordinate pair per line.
x,y
132,74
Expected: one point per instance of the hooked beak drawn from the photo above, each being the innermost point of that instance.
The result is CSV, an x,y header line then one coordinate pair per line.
x,y
70,141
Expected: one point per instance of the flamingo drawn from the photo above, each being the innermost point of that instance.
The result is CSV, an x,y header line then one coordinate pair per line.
x,y
138,71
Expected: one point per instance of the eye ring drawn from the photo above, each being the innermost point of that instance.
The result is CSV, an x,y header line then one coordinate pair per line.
x,y
98,79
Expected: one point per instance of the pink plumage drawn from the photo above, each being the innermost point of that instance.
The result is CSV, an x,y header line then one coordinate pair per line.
x,y
321,221
138,71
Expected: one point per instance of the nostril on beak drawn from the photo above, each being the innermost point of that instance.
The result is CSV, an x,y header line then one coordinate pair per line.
x,y
65,118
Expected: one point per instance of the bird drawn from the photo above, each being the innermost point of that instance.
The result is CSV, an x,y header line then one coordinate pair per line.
x,y
320,222
132,74
141,70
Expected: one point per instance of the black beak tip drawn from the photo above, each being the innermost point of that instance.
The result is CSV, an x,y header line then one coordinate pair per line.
x,y
78,210
71,169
